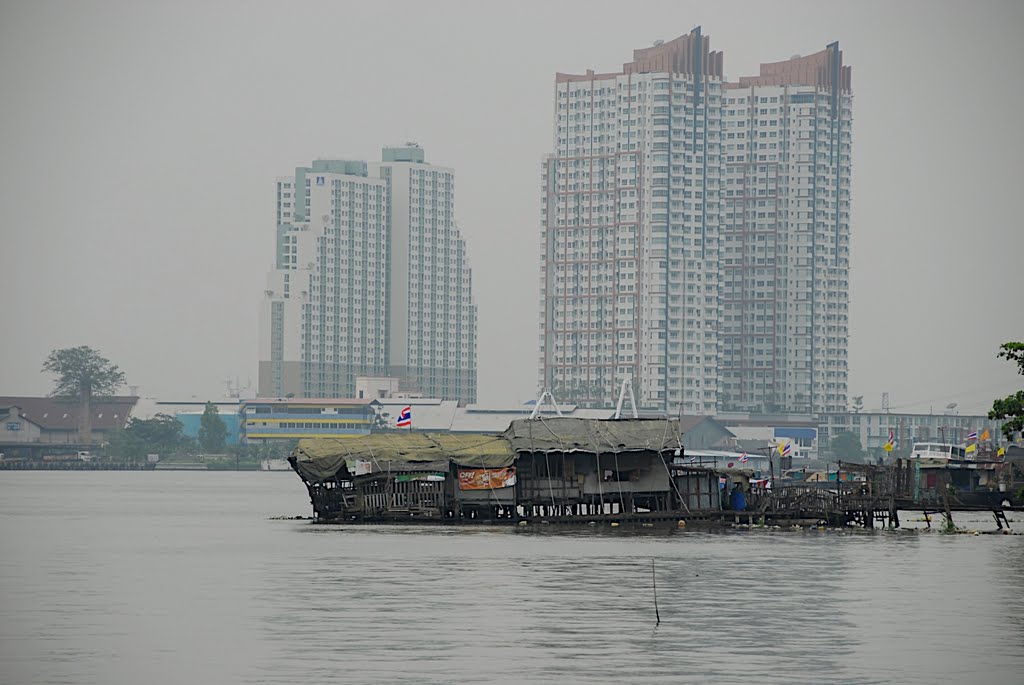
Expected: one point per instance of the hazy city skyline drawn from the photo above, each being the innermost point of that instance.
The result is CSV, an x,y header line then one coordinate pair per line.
x,y
141,144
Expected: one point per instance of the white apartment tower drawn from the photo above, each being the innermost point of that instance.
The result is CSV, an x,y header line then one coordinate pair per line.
x,y
371,279
630,236
665,209
431,314
786,237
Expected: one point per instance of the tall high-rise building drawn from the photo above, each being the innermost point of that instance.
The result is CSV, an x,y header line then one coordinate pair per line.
x,y
432,317
630,237
371,279
655,233
786,237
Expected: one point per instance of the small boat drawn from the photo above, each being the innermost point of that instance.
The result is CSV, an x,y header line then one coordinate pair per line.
x,y
935,450
275,465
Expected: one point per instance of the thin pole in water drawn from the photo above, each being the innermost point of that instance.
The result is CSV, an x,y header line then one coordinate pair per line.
x,y
654,583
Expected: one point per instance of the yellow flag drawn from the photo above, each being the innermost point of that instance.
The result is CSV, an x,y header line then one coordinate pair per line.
x,y
1001,452
984,434
887,447
973,447
780,447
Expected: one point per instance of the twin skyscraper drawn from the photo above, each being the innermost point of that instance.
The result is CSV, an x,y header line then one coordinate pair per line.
x,y
371,280
696,234
695,240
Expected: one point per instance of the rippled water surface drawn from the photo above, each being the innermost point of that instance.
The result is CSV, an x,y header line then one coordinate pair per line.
x,y
177,577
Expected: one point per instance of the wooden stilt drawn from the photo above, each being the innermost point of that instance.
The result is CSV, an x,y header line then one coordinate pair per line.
x,y
949,512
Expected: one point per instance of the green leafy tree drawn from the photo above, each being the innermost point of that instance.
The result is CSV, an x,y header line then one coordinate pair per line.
x,y
161,435
213,434
1012,406
82,374
846,446
858,403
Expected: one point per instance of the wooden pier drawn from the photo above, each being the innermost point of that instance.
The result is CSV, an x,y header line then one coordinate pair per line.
x,y
75,465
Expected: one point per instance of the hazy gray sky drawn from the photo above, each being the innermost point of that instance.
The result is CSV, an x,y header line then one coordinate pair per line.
x,y
139,142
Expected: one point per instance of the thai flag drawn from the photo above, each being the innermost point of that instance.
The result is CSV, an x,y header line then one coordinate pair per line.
x,y
405,418
744,458
973,435
787,448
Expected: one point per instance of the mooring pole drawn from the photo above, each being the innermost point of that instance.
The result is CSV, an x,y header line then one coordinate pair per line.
x,y
654,583
949,512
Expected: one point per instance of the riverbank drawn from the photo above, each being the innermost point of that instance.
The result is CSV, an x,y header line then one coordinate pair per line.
x,y
226,464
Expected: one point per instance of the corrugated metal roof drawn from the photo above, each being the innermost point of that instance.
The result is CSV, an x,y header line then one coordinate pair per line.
x,y
59,413
796,433
325,401
432,416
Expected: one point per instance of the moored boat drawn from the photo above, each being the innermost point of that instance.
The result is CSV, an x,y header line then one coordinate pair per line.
x,y
938,450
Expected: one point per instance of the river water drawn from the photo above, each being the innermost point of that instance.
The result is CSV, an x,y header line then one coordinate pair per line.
x,y
179,577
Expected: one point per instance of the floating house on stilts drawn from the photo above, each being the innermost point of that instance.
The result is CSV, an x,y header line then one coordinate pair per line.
x,y
555,469
567,470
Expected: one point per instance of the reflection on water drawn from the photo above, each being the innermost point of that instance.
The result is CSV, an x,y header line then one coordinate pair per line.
x,y
182,577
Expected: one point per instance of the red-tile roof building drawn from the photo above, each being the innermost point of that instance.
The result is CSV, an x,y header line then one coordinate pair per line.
x,y
56,419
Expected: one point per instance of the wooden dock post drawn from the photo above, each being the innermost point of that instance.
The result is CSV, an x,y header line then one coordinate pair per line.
x,y
949,513
654,583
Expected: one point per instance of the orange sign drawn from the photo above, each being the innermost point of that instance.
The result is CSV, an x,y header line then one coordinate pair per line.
x,y
487,479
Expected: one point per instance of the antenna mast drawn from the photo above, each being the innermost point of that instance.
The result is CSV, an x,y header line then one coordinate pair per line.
x,y
627,385
545,395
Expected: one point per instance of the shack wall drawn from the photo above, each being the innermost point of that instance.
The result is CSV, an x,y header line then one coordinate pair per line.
x,y
699,491
551,477
503,496
625,472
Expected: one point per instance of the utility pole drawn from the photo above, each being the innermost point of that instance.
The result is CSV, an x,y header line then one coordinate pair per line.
x,y
771,464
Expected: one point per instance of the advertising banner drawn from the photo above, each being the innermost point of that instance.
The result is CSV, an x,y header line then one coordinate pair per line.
x,y
487,479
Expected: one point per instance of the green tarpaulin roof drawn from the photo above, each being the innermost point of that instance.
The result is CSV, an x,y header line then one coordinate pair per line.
x,y
320,458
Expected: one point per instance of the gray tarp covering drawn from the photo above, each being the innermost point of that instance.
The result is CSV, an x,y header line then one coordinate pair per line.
x,y
564,434
320,458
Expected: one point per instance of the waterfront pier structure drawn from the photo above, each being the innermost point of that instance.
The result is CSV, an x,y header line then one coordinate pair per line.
x,y
581,471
